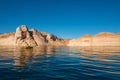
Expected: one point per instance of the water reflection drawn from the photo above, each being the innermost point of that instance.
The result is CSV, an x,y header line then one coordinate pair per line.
x,y
44,50
63,62
22,56
101,52
96,49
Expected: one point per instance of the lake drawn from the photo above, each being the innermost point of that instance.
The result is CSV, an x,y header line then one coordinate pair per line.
x,y
60,63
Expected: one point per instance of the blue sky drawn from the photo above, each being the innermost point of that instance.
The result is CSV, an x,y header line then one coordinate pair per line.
x,y
64,18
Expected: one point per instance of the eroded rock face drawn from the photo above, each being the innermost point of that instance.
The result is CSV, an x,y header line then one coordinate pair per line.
x,y
23,37
100,39
32,37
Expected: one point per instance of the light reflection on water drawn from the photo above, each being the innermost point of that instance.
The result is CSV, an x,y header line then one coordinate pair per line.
x,y
60,63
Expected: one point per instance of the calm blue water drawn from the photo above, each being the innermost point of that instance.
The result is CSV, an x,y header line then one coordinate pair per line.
x,y
60,63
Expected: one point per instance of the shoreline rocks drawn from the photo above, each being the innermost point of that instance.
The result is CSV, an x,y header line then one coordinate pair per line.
x,y
32,37
25,37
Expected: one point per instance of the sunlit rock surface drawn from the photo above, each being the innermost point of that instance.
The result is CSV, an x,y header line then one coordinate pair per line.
x,y
7,39
25,37
101,39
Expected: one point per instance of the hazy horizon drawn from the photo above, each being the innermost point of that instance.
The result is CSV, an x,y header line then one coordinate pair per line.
x,y
63,18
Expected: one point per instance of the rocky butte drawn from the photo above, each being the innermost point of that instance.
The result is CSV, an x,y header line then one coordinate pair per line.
x,y
25,37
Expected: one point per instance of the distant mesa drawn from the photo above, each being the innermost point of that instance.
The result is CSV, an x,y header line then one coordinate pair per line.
x,y
100,39
85,36
5,35
32,37
105,34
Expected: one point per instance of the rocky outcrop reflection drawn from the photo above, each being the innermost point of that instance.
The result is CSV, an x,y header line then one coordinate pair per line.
x,y
22,56
101,52
26,56
44,50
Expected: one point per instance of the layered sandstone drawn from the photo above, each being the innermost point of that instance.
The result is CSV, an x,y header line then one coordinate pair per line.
x,y
101,39
85,40
32,37
25,37
7,39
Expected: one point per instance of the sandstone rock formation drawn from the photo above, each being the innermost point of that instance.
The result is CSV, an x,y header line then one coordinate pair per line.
x,y
32,37
7,39
106,39
85,40
25,37
101,39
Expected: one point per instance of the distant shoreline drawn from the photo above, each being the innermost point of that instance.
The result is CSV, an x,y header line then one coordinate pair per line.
x,y
25,37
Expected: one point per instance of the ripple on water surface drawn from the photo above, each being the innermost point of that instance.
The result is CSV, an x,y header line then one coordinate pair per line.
x,y
60,63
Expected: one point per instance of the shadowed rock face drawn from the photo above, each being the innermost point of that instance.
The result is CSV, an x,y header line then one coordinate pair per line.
x,y
32,37
23,37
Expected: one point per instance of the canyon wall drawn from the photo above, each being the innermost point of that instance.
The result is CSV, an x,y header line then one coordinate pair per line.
x,y
101,39
25,37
